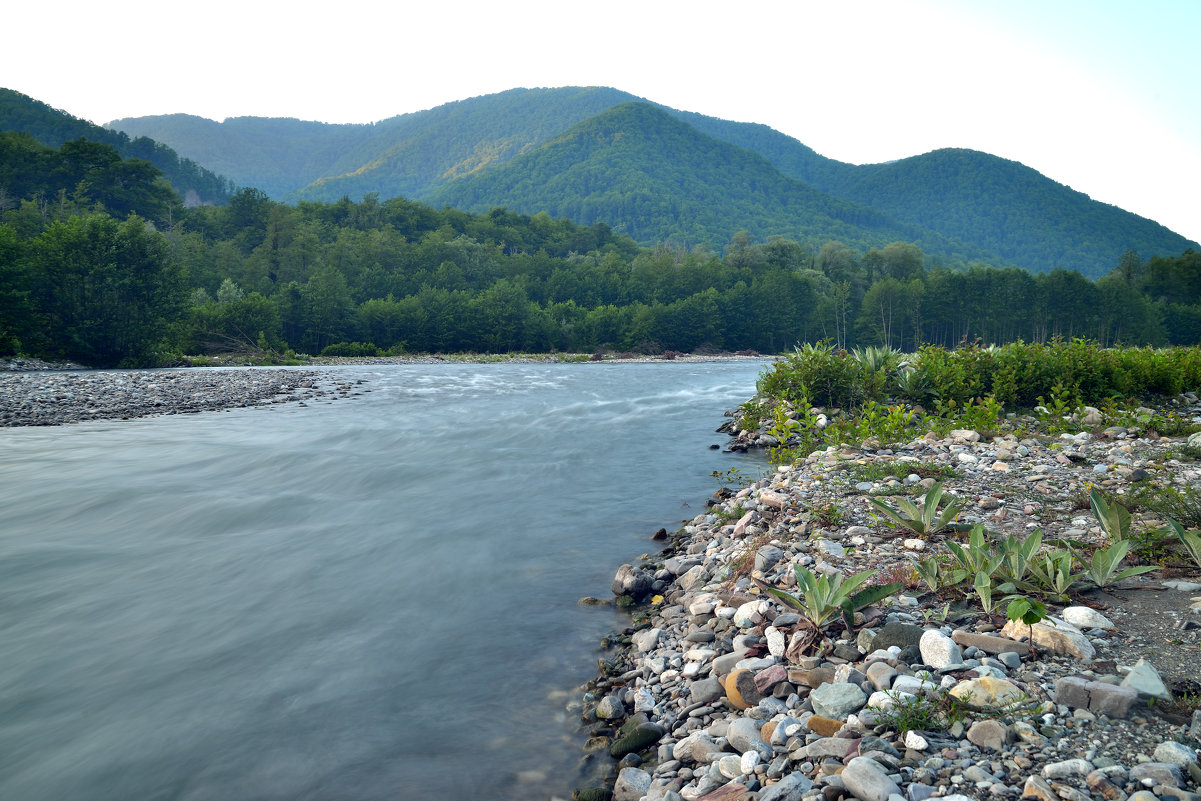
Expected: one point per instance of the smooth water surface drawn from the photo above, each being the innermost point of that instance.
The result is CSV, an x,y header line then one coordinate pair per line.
x,y
372,598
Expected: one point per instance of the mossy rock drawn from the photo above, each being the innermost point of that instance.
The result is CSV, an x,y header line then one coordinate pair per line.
x,y
633,742
592,794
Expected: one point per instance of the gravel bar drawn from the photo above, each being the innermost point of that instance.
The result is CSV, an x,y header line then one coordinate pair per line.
x,y
40,398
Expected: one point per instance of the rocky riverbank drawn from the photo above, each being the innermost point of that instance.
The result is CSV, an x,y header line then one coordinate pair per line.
x,y
716,694
35,397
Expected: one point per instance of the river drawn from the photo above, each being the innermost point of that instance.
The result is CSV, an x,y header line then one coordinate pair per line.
x,y
371,598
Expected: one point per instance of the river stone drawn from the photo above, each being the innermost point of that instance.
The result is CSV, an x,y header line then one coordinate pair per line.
x,y
897,633
730,766
939,650
1194,440
866,779
610,708
641,737
776,642
706,691
1066,768
1158,772
1055,635
1145,678
912,685
741,692
792,787
646,640
829,747
1175,754
743,735
881,674
749,614
697,748
633,582
767,557
693,577
988,693
632,784
837,700
990,735
1082,617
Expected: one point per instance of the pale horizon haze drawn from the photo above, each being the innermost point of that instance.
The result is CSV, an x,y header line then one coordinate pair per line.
x,y
1101,96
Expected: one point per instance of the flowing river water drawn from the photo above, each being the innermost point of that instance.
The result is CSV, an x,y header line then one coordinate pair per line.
x,y
372,598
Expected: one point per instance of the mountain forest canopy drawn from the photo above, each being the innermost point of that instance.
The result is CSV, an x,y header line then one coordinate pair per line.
x,y
663,175
102,262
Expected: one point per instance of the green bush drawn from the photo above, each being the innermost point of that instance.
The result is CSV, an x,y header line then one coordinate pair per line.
x,y
352,349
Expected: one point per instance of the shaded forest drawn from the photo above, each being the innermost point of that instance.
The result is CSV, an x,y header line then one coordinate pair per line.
x,y
100,262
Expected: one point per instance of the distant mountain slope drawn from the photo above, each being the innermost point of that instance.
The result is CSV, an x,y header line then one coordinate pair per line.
x,y
275,155
957,204
52,127
657,178
1006,207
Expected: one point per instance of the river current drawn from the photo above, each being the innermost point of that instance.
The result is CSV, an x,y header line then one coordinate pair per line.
x,y
371,598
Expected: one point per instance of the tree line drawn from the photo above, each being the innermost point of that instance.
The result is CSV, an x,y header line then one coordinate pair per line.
x,y
108,273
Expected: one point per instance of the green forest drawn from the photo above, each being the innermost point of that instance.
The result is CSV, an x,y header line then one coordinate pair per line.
x,y
595,154
100,262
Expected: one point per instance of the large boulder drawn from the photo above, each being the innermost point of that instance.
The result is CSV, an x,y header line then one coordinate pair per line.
x,y
632,582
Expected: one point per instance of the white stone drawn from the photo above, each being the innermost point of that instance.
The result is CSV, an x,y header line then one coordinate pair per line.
x,y
965,435
646,640
750,760
939,650
1082,617
916,741
914,544
776,642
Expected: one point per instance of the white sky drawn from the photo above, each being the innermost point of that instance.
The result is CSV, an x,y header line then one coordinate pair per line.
x,y
1100,95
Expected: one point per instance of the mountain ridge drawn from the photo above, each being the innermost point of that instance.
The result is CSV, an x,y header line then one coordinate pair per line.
x,y
996,210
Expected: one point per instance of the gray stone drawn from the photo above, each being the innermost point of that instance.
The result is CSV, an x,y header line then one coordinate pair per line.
x,y
899,634
706,691
1038,788
837,700
827,747
632,784
990,735
912,685
1194,730
646,640
697,748
1175,753
767,557
1095,696
866,779
610,708
1145,678
881,674
791,788
743,735
1158,772
939,650
1066,768
633,582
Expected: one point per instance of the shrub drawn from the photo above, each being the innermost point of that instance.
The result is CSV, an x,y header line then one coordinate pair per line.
x,y
352,349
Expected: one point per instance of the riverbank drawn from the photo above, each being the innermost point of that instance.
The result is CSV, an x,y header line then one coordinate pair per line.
x,y
39,397
715,695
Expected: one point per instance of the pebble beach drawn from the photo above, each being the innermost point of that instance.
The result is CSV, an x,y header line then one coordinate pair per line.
x,y
715,694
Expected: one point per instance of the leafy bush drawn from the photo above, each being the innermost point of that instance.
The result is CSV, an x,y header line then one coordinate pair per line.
x,y
352,349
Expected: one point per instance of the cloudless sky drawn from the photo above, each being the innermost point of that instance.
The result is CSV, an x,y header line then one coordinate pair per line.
x,y
1101,95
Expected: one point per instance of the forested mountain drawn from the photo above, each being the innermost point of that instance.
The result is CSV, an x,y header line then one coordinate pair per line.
x,y
961,206
52,127
663,180
408,155
100,262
